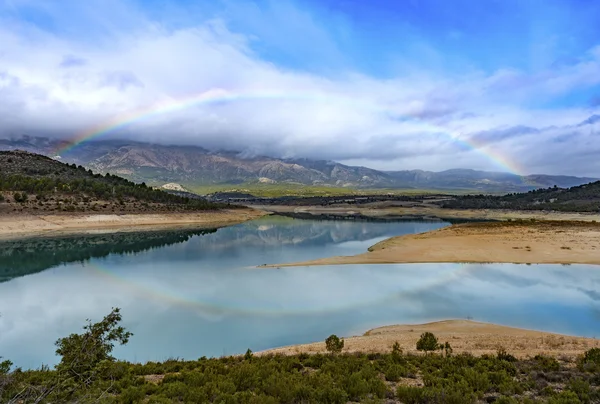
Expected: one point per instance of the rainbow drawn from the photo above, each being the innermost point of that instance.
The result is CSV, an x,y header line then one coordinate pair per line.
x,y
207,308
219,96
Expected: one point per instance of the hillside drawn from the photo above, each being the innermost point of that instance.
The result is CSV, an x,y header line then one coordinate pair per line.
x,y
583,198
34,183
193,166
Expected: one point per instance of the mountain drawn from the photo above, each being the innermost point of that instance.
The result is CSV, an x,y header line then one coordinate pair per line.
x,y
193,166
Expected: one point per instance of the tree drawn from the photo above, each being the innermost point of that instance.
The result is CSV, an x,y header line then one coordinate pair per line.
x,y
428,342
334,344
5,366
248,356
82,353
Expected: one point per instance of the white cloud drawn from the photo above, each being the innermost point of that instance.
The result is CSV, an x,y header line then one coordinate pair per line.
x,y
60,85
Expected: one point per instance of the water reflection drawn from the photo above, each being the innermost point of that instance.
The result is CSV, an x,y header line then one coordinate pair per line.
x,y
199,297
28,256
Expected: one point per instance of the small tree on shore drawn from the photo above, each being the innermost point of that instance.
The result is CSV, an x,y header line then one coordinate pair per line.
x,y
334,344
428,343
82,353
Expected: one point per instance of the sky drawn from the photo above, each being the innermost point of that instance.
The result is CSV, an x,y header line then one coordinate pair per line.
x,y
502,85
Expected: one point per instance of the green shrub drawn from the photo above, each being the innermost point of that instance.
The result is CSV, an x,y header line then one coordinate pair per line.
x,y
428,342
334,344
592,356
395,372
504,356
565,397
409,394
546,363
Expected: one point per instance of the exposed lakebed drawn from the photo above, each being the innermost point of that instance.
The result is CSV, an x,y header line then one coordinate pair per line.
x,y
192,293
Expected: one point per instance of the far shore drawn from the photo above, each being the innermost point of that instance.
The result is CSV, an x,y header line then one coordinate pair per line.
x,y
464,336
520,242
408,210
24,225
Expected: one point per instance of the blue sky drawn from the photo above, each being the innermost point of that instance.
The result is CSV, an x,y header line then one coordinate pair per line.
x,y
389,84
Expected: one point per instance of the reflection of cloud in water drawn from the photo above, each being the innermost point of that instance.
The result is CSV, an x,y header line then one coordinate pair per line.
x,y
204,303
593,294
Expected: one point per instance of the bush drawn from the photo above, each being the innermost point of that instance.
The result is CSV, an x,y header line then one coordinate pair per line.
x,y
428,342
592,356
20,197
334,344
546,363
504,356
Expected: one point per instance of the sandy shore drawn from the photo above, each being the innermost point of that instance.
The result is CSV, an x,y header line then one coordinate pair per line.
x,y
548,242
19,226
463,335
430,211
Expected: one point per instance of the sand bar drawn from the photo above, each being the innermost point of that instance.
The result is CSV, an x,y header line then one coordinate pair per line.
x,y
545,242
463,335
19,226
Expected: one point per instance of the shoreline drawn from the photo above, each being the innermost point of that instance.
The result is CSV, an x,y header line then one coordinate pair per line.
x,y
465,336
378,210
47,225
520,242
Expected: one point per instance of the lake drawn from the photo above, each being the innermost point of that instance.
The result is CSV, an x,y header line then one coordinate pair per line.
x,y
190,293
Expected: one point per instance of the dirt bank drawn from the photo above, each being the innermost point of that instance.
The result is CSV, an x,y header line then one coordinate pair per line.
x,y
546,242
18,226
429,211
463,335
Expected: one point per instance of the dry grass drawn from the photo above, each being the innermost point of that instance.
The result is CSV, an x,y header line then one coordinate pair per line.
x,y
464,336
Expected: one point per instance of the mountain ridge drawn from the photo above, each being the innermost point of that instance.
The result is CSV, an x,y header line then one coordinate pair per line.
x,y
194,165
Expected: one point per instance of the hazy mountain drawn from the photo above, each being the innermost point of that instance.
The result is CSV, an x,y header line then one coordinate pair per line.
x,y
192,165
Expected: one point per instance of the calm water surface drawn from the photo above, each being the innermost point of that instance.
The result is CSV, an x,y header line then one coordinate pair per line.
x,y
193,293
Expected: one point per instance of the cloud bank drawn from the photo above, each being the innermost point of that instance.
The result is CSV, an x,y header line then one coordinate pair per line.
x,y
76,70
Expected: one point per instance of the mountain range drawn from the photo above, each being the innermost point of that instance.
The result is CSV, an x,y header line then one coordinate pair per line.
x,y
191,166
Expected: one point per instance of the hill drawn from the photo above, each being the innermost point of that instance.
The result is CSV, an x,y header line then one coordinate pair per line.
x,y
582,198
193,166
31,182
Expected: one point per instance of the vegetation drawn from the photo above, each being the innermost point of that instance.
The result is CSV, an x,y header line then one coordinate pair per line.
x,y
583,198
36,182
88,373
334,344
301,190
428,342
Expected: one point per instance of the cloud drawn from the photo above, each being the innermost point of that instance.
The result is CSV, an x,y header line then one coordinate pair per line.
x,y
58,84
72,61
121,80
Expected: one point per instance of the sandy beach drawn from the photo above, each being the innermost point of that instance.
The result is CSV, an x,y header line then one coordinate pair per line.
x,y
545,242
18,226
463,335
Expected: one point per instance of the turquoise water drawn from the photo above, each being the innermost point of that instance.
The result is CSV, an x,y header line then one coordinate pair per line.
x,y
192,293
